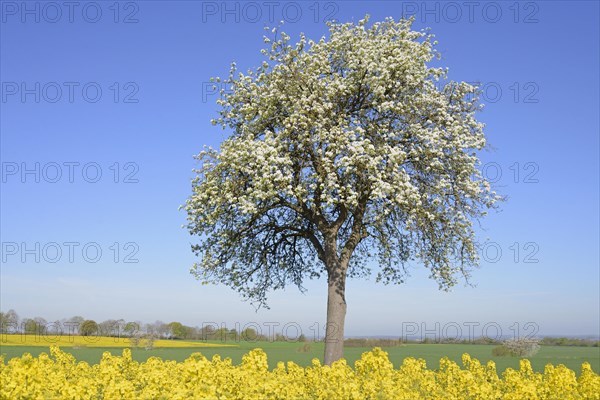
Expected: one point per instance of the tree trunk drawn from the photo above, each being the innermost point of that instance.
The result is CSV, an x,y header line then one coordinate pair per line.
x,y
336,315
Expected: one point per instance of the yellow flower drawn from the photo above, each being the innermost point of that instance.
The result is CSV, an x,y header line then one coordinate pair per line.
x,y
58,375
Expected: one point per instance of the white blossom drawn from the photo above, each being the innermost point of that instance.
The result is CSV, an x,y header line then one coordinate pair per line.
x,y
352,125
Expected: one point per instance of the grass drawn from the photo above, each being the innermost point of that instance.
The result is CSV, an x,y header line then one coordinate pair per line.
x,y
572,357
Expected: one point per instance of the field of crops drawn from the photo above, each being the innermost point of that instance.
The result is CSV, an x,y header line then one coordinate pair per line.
x,y
303,354
373,376
94,341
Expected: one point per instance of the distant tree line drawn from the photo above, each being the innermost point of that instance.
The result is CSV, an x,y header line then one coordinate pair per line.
x,y
10,323
564,341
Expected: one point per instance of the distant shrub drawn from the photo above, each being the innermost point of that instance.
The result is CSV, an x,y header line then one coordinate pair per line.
x,y
372,343
305,348
149,345
134,341
517,348
500,351
485,340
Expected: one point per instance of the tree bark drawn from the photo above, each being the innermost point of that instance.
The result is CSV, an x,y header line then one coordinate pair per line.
x,y
336,314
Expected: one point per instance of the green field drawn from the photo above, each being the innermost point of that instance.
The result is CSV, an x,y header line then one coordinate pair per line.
x,y
570,356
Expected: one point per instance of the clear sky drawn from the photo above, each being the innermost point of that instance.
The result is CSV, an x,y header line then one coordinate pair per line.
x,y
104,105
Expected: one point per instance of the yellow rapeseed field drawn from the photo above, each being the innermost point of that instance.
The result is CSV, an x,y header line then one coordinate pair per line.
x,y
59,376
92,341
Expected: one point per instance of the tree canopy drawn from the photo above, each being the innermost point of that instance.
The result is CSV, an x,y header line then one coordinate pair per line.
x,y
343,151
88,328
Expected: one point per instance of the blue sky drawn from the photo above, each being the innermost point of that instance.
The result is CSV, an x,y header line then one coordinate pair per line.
x,y
83,94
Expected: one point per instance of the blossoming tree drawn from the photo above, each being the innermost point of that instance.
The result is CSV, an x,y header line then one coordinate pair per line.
x,y
344,154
